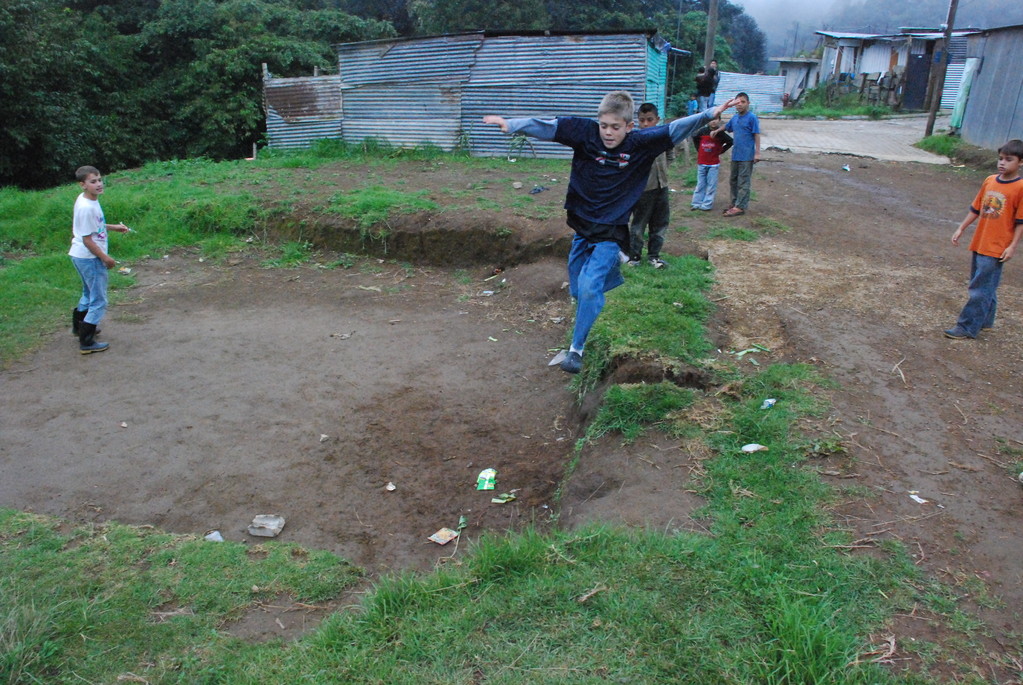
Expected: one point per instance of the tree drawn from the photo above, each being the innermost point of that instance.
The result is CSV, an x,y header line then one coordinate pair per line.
x,y
431,17
115,83
748,43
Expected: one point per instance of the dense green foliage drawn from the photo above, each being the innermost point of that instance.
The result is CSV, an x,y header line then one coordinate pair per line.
x,y
117,83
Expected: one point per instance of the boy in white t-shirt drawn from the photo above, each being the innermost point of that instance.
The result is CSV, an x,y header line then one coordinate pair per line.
x,y
89,255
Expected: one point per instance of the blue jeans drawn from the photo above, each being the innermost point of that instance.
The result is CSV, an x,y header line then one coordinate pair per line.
x,y
593,269
710,99
979,310
702,102
94,287
706,186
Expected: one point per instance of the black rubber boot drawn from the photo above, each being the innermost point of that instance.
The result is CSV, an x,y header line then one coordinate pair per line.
x,y
76,320
87,339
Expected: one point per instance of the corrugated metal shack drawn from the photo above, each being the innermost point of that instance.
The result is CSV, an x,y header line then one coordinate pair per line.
x,y
437,89
301,110
765,92
994,111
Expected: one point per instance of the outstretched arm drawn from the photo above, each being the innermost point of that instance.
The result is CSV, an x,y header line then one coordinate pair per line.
x,y
686,126
541,129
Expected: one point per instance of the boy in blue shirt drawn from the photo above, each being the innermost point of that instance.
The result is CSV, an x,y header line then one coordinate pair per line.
x,y
745,130
610,167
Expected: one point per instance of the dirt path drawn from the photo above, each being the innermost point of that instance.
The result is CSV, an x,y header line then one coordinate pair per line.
x,y
222,380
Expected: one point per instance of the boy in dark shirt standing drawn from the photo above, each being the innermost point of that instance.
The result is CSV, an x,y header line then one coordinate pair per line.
x,y
653,210
610,167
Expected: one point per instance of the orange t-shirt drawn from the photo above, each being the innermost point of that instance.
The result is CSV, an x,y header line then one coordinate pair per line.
x,y
1000,207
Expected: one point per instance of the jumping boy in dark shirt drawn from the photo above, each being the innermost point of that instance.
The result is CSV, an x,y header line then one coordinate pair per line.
x,y
610,167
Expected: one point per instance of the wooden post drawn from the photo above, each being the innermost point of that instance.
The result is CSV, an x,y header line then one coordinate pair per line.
x,y
939,81
712,29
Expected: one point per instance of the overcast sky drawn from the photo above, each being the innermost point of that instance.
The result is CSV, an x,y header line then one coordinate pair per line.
x,y
778,18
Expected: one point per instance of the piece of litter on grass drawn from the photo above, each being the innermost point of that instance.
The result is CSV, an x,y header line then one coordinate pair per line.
x,y
491,338
390,487
754,447
558,358
538,189
443,536
753,361
463,522
342,336
324,437
846,168
516,185
768,403
557,319
486,479
266,525
124,424
503,498
213,536
743,353
375,288
124,270
917,498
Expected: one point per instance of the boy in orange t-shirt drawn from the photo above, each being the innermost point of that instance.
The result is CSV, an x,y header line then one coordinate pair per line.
x,y
999,205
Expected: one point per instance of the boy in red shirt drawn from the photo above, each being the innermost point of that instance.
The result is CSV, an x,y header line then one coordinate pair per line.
x,y
710,143
999,205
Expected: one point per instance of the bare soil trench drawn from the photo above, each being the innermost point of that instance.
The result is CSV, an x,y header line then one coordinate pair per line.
x,y
231,390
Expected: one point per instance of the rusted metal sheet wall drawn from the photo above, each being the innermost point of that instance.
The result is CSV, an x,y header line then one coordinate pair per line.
x,y
300,111
548,76
436,90
994,112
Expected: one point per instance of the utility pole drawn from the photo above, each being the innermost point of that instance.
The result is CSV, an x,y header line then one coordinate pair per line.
x,y
939,80
712,29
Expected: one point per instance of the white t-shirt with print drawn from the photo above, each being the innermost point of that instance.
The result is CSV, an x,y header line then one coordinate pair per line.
x,y
88,221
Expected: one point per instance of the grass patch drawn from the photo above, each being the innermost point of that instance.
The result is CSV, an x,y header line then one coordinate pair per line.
x,y
657,312
732,233
941,145
96,602
290,255
819,103
961,152
631,409
370,207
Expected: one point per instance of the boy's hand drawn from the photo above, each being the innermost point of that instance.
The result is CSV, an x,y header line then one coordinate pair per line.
x,y
725,105
1007,254
956,236
497,121
108,262
120,228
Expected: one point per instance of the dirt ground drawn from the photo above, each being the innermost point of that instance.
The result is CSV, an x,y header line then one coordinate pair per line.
x,y
232,390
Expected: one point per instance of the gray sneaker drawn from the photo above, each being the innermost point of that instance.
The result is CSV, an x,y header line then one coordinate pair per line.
x,y
957,332
657,262
573,362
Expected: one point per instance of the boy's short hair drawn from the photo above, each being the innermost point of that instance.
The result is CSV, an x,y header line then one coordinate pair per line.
x,y
618,103
743,95
648,108
83,172
1013,148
